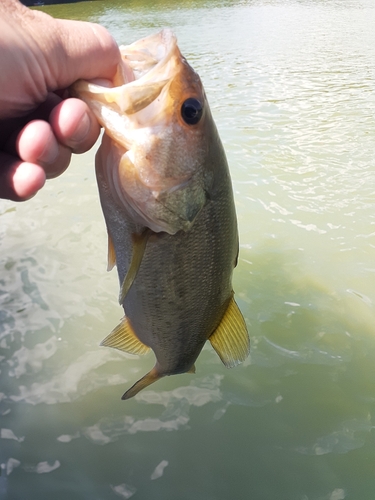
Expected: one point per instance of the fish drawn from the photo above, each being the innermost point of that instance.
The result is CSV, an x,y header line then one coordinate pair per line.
x,y
167,199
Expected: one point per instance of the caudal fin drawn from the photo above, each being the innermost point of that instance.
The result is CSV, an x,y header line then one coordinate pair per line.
x,y
148,379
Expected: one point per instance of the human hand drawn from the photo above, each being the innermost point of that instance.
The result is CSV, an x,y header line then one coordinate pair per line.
x,y
39,130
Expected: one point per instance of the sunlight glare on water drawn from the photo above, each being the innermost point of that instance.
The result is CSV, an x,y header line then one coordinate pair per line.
x,y
291,86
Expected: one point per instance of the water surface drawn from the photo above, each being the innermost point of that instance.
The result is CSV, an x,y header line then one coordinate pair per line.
x,y
291,86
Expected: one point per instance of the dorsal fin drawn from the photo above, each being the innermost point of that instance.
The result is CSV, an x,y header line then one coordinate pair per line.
x,y
111,254
230,339
122,337
139,246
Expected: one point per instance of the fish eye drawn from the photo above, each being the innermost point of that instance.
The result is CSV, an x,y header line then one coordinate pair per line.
x,y
191,111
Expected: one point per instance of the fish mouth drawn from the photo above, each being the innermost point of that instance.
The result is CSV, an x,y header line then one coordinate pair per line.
x,y
147,67
155,174
148,58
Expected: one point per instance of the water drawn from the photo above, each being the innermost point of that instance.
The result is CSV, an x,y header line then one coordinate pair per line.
x,y
291,85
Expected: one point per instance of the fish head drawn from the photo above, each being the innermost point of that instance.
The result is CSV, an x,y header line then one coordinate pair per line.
x,y
155,155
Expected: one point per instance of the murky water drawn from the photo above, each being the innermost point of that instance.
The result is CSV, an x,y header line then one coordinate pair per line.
x,y
291,85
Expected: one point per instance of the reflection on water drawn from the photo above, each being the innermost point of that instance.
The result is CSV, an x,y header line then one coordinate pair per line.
x,y
291,86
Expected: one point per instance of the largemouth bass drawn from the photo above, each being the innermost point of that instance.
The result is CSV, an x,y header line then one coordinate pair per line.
x,y
167,200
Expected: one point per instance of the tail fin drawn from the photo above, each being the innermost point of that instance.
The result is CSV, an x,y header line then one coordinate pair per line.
x,y
148,379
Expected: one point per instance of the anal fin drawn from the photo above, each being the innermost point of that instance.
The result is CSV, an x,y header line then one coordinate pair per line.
x,y
230,339
139,246
122,337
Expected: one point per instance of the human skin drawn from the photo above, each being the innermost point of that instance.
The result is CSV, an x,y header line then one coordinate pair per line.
x,y
40,128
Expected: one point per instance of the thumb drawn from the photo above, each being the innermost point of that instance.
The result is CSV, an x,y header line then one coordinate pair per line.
x,y
81,50
40,54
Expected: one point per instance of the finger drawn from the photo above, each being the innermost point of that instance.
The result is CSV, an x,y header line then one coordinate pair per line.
x,y
36,143
19,180
11,127
74,125
76,49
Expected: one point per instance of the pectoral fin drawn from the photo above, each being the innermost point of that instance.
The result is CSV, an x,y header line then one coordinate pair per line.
x,y
139,246
148,379
123,338
230,339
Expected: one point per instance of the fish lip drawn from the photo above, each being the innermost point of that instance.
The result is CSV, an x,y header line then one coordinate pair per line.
x,y
156,74
169,43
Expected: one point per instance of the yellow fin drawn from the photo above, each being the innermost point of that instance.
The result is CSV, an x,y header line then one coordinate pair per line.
x,y
148,379
123,338
111,254
139,246
230,339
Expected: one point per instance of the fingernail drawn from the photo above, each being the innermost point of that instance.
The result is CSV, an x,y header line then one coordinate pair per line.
x,y
82,129
50,152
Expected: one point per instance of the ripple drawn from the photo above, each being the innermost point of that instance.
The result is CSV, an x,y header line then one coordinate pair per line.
x,y
10,465
176,416
159,470
9,434
78,379
43,467
124,490
32,359
341,441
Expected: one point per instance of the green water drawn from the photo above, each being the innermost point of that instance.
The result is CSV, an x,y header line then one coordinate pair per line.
x,y
291,86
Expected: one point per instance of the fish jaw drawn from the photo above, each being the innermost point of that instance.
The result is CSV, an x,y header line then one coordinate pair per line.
x,y
159,168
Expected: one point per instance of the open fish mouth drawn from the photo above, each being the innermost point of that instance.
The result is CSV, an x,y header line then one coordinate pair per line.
x,y
153,113
146,68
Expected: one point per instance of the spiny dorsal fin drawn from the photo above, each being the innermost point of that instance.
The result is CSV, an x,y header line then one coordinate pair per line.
x,y
148,379
139,246
111,254
123,338
230,339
